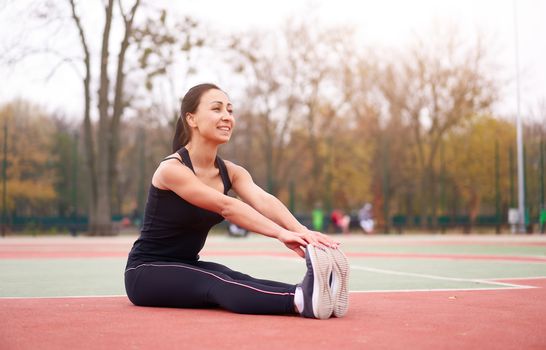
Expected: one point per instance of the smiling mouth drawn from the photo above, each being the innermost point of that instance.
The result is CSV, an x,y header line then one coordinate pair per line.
x,y
224,128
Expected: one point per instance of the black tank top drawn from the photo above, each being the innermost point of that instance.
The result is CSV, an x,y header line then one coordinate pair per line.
x,y
173,229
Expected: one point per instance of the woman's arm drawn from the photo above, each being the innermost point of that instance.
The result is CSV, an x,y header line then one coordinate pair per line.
x,y
267,204
181,180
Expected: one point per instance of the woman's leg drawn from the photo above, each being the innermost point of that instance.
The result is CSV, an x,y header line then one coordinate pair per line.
x,y
166,285
189,286
239,276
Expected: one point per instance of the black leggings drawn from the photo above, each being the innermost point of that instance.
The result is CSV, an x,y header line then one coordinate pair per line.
x,y
204,284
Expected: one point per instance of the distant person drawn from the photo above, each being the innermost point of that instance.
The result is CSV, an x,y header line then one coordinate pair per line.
x,y
318,218
365,218
188,195
340,221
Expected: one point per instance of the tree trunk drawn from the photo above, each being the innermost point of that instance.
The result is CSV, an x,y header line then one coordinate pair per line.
x,y
118,107
104,212
87,127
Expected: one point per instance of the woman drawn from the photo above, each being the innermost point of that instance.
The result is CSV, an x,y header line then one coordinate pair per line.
x,y
188,195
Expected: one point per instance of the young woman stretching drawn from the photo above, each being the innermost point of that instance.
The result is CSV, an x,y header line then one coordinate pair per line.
x,y
188,195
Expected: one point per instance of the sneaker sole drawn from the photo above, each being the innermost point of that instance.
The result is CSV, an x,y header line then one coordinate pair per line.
x,y
323,303
341,268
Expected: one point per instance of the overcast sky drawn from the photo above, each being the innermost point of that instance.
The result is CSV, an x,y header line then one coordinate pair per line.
x,y
390,23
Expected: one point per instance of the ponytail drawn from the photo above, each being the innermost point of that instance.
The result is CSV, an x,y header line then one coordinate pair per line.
x,y
190,102
182,134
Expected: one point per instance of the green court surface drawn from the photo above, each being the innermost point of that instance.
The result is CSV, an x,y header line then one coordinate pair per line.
x,y
87,266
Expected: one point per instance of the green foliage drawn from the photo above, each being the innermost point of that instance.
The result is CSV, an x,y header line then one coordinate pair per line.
x,y
470,162
30,174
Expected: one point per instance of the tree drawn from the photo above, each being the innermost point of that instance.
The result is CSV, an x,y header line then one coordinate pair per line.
x,y
102,166
294,93
150,40
30,173
470,162
439,85
65,162
269,109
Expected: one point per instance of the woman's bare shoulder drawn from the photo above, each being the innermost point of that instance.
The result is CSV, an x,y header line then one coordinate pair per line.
x,y
169,168
234,168
237,172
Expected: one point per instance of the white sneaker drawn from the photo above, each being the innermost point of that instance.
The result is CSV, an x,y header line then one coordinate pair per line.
x,y
340,282
317,296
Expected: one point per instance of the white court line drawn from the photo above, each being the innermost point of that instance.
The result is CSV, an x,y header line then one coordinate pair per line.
x,y
490,281
517,278
438,290
435,277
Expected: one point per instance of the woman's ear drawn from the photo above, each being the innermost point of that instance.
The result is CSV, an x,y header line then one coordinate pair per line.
x,y
190,118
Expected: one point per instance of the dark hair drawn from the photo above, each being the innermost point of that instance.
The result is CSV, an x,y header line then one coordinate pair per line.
x,y
190,102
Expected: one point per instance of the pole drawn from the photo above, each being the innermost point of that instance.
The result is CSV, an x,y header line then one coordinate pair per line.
x,y
443,210
511,171
541,174
542,206
497,189
526,198
521,171
442,180
5,179
75,175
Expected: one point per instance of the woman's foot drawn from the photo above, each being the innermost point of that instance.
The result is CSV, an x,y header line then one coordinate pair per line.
x,y
317,296
340,282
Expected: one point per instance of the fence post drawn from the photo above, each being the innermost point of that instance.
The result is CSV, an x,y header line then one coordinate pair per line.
x,y
497,189
5,179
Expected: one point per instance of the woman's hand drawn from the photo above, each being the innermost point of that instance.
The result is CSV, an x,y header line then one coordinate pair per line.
x,y
296,240
293,241
323,239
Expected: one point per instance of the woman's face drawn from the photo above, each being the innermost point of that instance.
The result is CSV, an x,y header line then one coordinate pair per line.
x,y
214,117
